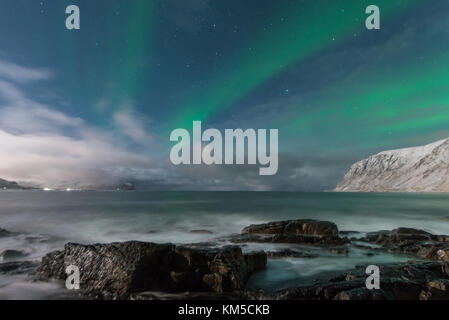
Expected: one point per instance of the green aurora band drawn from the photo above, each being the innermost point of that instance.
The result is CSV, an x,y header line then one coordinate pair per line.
x,y
307,30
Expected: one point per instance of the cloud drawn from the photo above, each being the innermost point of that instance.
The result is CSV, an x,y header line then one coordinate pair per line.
x,y
21,74
296,173
20,115
46,147
133,125
60,161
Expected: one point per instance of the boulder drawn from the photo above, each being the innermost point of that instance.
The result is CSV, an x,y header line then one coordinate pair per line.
x,y
361,294
299,227
115,271
399,236
411,241
290,253
399,281
9,255
436,290
255,261
293,231
4,233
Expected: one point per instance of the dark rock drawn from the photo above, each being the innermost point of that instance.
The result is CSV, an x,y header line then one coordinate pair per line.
x,y
348,232
117,270
410,241
443,238
361,294
245,238
52,266
12,255
290,253
316,240
152,295
18,267
299,227
255,261
266,228
399,281
398,236
293,231
4,233
339,250
201,231
436,290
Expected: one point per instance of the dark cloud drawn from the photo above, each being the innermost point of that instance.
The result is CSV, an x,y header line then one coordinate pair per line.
x,y
295,173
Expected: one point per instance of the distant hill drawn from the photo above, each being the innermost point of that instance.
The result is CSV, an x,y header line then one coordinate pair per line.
x,y
417,169
4,184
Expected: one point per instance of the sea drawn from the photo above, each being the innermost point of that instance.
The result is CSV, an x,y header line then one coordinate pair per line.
x,y
44,221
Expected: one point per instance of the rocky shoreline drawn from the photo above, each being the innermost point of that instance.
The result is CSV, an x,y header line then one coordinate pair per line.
x,y
139,270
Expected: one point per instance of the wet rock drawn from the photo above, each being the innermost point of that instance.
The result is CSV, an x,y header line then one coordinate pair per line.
x,y
410,241
4,233
157,295
266,228
52,266
299,227
255,261
293,231
38,238
436,290
9,255
399,281
339,250
19,267
361,294
399,236
284,253
219,270
443,238
117,270
307,239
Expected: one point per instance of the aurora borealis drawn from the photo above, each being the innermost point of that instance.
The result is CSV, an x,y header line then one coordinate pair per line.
x,y
138,69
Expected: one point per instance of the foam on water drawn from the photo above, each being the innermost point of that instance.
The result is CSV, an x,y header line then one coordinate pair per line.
x,y
45,221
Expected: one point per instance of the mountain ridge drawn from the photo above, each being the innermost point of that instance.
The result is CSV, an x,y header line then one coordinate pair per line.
x,y
5,184
416,169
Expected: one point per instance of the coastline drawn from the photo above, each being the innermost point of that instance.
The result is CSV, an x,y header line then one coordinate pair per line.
x,y
226,269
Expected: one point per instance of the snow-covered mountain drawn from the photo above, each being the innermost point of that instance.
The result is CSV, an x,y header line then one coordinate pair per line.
x,y
418,169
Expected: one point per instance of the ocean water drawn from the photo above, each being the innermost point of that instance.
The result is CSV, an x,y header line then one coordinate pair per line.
x,y
44,221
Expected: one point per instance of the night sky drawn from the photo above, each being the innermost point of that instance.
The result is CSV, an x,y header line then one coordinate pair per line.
x,y
97,105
